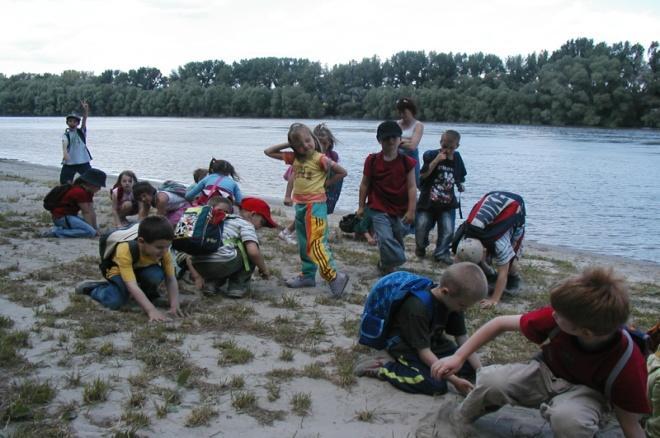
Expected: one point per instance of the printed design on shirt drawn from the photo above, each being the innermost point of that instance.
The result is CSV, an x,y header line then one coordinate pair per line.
x,y
442,190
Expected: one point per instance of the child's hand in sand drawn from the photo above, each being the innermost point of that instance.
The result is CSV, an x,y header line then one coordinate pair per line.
x,y
264,273
155,315
175,311
488,303
442,368
462,386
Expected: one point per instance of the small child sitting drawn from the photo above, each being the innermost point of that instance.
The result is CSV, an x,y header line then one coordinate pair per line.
x,y
139,278
234,262
416,338
361,228
577,375
123,203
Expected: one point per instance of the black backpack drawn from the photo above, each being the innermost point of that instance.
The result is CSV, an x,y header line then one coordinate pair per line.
x,y
52,199
347,223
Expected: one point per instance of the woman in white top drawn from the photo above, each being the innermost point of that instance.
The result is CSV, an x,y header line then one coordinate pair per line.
x,y
412,129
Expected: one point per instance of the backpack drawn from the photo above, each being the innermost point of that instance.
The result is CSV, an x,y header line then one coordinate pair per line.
x,y
213,190
55,195
172,186
384,299
108,245
492,216
199,231
347,223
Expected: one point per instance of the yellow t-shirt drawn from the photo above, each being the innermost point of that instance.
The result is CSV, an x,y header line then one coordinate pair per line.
x,y
309,177
124,263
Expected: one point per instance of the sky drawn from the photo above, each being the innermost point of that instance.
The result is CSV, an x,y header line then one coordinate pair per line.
x,y
49,36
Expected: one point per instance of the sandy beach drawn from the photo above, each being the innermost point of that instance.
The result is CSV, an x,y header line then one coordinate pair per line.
x,y
276,363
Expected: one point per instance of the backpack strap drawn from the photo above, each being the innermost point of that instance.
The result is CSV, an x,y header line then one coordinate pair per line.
x,y
425,297
135,250
620,365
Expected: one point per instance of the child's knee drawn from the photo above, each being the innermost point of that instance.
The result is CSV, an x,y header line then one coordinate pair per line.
x,y
565,421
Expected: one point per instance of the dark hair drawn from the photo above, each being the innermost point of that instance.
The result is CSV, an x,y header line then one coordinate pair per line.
x,y
293,132
322,130
454,134
200,173
406,103
596,300
120,189
223,167
217,200
154,228
142,187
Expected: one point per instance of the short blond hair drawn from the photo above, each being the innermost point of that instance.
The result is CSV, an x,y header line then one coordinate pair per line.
x,y
465,279
596,300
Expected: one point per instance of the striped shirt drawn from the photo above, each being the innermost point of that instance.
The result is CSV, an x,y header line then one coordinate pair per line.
x,y
234,228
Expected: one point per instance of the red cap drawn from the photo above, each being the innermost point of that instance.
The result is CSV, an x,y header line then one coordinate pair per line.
x,y
260,207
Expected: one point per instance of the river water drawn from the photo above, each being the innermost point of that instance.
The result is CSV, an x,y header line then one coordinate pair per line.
x,y
591,189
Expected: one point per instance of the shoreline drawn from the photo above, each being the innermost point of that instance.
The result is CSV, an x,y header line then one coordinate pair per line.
x,y
642,268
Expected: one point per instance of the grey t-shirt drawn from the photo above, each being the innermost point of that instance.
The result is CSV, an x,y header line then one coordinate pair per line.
x,y
77,149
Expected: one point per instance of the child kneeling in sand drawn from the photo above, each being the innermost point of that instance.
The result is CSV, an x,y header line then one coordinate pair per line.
x,y
139,279
236,259
583,367
416,337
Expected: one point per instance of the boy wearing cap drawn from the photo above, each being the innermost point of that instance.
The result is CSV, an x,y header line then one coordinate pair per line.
x,y
388,189
80,197
75,155
236,259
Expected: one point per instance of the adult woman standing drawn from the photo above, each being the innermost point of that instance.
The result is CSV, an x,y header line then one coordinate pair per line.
x,y
412,129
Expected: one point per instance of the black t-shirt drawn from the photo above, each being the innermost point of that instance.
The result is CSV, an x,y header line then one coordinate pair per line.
x,y
418,329
437,189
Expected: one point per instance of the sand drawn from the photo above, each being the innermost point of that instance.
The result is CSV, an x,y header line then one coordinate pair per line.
x,y
276,363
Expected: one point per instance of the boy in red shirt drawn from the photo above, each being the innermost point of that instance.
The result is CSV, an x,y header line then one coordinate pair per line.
x,y
583,368
389,190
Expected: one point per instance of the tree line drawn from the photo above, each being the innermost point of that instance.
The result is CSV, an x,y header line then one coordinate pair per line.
x,y
580,84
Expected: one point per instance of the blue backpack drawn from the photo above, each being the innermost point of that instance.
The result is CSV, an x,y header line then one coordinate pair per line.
x,y
384,299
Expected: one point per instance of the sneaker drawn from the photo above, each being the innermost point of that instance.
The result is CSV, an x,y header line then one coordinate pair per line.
x,y
86,287
47,233
369,368
288,237
445,259
338,285
420,252
235,293
300,281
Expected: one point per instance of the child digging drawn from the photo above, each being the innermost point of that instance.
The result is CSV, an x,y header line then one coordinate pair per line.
x,y
577,376
139,279
416,338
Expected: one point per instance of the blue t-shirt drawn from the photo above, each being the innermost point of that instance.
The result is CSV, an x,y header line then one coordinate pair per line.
x,y
227,185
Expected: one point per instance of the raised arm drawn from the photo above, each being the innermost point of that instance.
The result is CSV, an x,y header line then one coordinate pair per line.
x,y
486,333
85,107
275,151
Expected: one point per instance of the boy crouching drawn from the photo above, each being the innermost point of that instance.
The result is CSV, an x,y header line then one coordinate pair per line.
x,y
137,269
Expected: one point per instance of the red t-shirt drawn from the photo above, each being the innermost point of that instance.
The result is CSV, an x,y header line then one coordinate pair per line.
x,y
388,188
567,360
69,204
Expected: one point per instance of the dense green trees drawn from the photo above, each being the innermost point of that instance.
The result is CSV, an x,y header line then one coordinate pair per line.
x,y
581,83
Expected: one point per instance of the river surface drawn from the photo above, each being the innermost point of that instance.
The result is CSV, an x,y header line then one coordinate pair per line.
x,y
591,189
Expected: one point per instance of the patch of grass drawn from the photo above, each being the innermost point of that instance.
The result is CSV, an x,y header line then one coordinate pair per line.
x,y
286,355
137,399
317,330
273,390
200,416
344,360
170,396
237,382
183,376
314,371
290,301
232,354
107,349
23,400
6,322
73,379
96,391
351,326
135,419
139,380
282,374
301,403
243,400
365,415
10,343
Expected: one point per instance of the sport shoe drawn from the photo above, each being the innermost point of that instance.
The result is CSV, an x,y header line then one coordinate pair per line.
x,y
300,281
338,285
420,252
86,287
445,259
288,237
369,368
235,293
47,233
